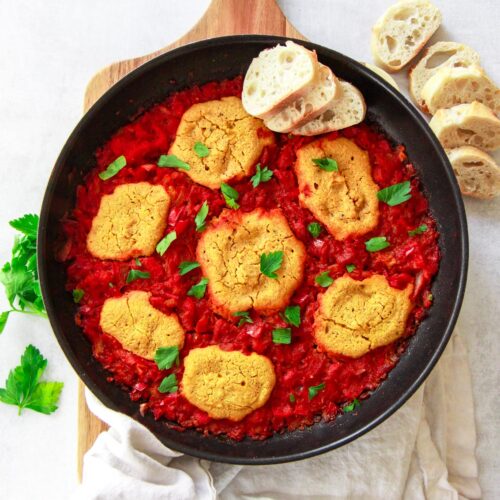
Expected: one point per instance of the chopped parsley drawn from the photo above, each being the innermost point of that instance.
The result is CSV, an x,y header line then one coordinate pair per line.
x,y
201,217
350,268
135,274
199,289
261,175
292,315
324,279
395,194
169,384
314,229
201,150
244,317
377,243
164,243
313,390
165,357
271,262
282,335
230,196
352,406
23,388
113,168
187,266
326,164
78,294
419,230
138,263
292,398
171,161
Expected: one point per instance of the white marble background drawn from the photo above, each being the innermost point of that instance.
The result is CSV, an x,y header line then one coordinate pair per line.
x,y
49,49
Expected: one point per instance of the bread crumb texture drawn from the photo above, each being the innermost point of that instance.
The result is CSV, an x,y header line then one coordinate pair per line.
x,y
130,222
229,252
234,138
345,201
138,326
227,384
355,317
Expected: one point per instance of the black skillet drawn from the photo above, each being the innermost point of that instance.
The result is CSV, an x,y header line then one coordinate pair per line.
x,y
217,59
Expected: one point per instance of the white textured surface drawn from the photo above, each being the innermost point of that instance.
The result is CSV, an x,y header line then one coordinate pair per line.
x,y
48,51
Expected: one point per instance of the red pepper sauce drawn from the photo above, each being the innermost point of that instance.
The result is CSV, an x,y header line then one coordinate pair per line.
x,y
298,366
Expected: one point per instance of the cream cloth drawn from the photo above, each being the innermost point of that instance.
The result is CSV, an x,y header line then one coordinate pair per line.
x,y
426,450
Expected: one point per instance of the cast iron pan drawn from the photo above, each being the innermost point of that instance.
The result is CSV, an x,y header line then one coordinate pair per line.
x,y
228,57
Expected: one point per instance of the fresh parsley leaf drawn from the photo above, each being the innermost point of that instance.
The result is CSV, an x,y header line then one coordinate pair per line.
x,y
377,243
245,317
282,335
201,217
271,262
419,230
327,164
23,389
27,224
138,263
199,289
113,168
352,406
324,279
350,268
230,196
314,229
78,294
169,384
165,357
292,398
135,274
3,320
186,266
395,194
430,297
201,150
292,315
165,242
261,175
313,390
171,161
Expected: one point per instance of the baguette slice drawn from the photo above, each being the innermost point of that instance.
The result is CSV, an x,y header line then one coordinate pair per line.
x,y
383,74
346,110
452,86
440,55
471,124
276,77
399,35
477,173
305,108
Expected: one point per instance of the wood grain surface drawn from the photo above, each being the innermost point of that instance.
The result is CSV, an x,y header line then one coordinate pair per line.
x,y
223,17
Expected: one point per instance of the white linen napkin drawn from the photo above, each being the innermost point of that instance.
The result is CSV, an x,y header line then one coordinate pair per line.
x,y
426,450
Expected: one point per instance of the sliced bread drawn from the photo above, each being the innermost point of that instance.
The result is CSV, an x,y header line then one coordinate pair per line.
x,y
477,173
437,56
346,110
305,108
452,86
383,74
399,35
276,77
471,124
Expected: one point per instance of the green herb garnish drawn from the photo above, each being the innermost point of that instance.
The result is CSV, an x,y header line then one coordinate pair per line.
x,y
352,406
199,289
230,196
201,217
263,175
113,168
135,274
313,391
327,164
186,266
165,242
169,384
292,315
324,279
271,262
282,335
377,243
291,398
245,317
314,229
23,389
78,294
395,194
165,357
350,268
201,150
138,263
419,230
171,161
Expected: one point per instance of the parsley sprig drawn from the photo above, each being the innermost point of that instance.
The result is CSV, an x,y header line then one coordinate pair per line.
x,y
20,275
395,194
201,150
270,262
172,161
244,317
230,196
327,164
165,357
261,175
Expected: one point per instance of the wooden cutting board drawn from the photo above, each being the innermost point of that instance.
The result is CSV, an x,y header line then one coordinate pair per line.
x,y
223,17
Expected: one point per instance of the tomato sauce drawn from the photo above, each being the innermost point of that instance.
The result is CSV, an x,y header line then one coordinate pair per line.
x,y
298,366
